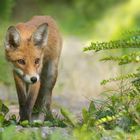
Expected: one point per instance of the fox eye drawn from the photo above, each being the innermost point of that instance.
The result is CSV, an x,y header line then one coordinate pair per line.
x,y
37,60
21,61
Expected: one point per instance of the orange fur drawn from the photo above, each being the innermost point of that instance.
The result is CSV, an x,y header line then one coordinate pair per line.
x,y
36,95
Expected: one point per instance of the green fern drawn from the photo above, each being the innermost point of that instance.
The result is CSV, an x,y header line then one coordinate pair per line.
x,y
133,57
133,42
130,40
121,77
123,107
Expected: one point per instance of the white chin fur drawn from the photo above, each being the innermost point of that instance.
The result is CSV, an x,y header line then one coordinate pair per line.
x,y
27,78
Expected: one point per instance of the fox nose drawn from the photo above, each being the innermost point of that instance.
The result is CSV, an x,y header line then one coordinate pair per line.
x,y
33,79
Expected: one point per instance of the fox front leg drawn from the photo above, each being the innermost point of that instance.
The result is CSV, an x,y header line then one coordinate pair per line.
x,y
48,79
21,92
32,95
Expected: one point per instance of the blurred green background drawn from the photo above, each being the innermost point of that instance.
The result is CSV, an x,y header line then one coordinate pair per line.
x,y
76,17
80,22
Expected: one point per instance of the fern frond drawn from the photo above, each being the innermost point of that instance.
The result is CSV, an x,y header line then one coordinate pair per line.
x,y
128,43
121,77
110,118
133,57
131,34
110,58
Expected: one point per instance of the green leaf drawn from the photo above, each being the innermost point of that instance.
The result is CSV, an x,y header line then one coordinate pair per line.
x,y
5,109
48,123
69,118
92,108
13,117
2,118
37,123
24,123
85,115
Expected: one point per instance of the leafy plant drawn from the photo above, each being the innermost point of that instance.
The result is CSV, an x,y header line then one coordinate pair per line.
x,y
121,109
116,117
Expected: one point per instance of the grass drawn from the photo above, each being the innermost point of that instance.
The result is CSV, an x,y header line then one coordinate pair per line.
x,y
108,119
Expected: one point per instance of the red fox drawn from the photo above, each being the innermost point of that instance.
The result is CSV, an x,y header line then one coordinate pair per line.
x,y
34,48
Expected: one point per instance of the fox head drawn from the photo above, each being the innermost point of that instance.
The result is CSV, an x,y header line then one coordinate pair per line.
x,y
26,53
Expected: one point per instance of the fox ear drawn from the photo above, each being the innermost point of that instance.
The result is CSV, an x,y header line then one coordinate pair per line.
x,y
40,36
12,39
